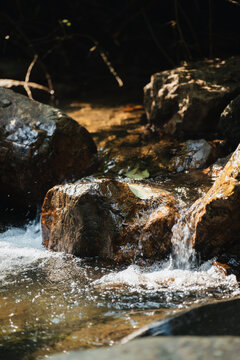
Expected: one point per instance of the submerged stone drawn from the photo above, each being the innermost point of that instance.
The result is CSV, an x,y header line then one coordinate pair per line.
x,y
110,219
40,146
188,100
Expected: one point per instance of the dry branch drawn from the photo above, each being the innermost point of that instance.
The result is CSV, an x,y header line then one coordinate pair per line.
x,y
8,83
28,73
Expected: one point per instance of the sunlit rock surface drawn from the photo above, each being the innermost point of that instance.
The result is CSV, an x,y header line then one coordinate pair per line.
x,y
40,146
229,123
188,100
109,219
214,220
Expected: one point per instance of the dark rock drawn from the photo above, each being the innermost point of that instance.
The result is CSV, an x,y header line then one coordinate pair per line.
x,y
109,219
218,319
164,348
214,219
187,101
229,123
40,146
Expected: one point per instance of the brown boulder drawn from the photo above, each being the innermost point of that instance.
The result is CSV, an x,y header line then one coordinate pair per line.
x,y
188,100
40,146
214,219
110,219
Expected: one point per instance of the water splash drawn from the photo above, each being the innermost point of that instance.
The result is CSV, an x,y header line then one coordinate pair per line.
x,y
206,281
180,274
21,248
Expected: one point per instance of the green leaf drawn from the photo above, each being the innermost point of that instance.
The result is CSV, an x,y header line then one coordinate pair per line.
x,y
137,174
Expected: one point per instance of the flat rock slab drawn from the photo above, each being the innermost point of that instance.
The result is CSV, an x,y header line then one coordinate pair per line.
x,y
164,348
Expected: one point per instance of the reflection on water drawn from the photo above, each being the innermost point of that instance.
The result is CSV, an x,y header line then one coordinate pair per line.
x,y
51,302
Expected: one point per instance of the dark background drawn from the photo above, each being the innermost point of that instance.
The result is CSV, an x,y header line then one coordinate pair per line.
x,y
138,38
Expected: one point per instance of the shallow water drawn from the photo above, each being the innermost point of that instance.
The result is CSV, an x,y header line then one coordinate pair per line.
x,y
51,302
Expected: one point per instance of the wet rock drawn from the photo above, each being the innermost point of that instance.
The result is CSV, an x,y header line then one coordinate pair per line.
x,y
215,169
214,219
40,146
109,219
188,100
194,154
164,348
229,123
217,319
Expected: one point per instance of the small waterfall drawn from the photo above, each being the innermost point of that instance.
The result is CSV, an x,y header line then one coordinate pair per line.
x,y
183,255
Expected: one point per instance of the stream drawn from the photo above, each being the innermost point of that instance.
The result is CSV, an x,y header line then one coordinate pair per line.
x,y
52,302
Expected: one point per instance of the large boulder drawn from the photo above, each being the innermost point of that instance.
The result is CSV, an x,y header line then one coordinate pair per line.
x,y
110,219
214,219
187,101
40,146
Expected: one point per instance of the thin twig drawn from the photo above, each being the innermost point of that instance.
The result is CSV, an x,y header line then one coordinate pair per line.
x,y
23,36
110,67
28,73
8,83
102,53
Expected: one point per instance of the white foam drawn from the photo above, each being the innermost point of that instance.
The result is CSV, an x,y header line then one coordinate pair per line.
x,y
20,248
167,279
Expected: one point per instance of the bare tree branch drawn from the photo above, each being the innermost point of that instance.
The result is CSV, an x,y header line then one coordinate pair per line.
x,y
28,73
8,83
110,67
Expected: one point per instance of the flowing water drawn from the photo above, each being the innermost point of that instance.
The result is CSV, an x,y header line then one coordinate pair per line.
x,y
51,302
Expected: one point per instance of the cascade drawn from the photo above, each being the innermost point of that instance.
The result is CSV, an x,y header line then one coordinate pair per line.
x,y
183,255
